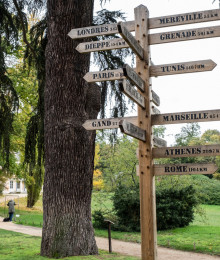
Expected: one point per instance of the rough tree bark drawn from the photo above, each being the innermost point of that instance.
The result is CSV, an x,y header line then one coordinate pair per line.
x,y
69,148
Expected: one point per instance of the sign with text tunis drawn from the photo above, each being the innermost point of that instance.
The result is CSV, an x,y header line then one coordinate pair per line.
x,y
186,151
107,123
132,93
132,130
184,35
183,67
184,169
131,41
133,77
105,75
186,117
105,45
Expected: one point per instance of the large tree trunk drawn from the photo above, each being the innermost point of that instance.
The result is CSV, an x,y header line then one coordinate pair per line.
x,y
69,148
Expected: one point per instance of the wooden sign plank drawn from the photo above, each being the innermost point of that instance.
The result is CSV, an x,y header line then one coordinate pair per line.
x,y
185,18
132,130
131,41
184,169
105,45
155,98
186,151
133,77
186,117
105,75
104,29
184,35
180,68
107,123
132,93
155,111
159,142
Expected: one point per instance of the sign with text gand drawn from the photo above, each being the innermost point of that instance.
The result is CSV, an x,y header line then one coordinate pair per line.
x,y
136,85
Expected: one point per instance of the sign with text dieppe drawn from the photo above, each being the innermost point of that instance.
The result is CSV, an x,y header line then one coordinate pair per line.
x,y
131,41
180,68
107,123
132,130
186,151
186,117
132,93
156,22
184,169
133,77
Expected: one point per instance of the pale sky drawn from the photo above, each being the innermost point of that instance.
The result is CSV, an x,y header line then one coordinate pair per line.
x,y
186,92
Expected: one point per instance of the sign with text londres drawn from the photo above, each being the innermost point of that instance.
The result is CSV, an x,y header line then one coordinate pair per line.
x,y
105,45
105,75
132,93
107,123
184,169
131,41
186,151
184,35
132,130
186,117
180,68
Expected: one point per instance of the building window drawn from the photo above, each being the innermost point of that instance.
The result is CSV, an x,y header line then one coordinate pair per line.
x,y
11,184
18,184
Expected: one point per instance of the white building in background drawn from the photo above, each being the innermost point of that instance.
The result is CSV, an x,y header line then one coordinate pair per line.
x,y
14,185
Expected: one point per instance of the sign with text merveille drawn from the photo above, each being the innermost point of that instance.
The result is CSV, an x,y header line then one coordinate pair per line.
x,y
184,169
186,151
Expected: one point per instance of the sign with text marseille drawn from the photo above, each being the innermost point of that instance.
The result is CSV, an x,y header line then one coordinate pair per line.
x,y
184,169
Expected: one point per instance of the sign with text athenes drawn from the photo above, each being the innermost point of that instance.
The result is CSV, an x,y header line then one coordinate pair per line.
x,y
184,169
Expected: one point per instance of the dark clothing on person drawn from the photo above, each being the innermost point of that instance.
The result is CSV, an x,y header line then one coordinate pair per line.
x,y
11,209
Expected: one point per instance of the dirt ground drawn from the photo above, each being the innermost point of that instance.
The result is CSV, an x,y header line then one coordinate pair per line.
x,y
124,248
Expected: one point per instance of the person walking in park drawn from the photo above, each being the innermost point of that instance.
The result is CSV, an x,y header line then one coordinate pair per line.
x,y
11,209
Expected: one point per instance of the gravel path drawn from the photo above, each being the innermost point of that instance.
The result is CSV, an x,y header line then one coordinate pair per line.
x,y
124,248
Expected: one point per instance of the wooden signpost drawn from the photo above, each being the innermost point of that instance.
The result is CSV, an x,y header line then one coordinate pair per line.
x,y
132,93
140,127
183,67
184,169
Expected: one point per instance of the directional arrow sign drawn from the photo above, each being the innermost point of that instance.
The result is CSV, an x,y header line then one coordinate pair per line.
x,y
158,142
107,123
186,18
184,169
105,45
155,98
186,151
132,93
131,41
105,75
155,111
184,35
132,130
184,67
133,77
186,117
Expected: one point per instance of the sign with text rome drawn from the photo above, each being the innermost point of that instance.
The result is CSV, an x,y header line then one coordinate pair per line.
x,y
132,93
132,130
186,151
186,117
184,35
105,75
133,77
180,68
131,41
184,169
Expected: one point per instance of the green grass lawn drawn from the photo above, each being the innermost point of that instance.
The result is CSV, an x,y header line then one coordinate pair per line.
x,y
203,235
17,246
